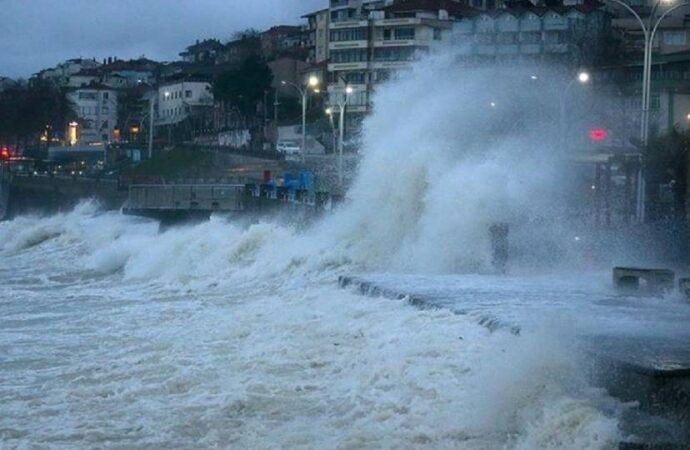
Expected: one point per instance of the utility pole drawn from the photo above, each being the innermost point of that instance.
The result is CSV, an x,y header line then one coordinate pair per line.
x,y
151,111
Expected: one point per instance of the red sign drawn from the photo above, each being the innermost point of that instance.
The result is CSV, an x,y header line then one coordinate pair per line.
x,y
598,134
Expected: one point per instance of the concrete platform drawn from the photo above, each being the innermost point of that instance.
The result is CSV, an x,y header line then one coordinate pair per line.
x,y
639,346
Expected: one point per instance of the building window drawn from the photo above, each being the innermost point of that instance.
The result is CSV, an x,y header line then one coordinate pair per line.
x,y
349,56
394,54
105,110
437,34
188,94
404,34
106,95
87,96
354,34
674,37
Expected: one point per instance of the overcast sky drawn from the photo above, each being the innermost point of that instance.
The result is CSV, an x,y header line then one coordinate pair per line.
x,y
36,34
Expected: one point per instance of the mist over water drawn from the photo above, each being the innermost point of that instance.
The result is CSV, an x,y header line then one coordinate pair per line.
x,y
233,334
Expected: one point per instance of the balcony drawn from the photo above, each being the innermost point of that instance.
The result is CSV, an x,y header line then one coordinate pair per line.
x,y
357,108
555,48
391,64
396,43
334,67
507,49
484,49
344,45
348,24
530,49
397,22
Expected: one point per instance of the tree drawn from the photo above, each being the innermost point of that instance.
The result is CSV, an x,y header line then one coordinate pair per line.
x,y
665,160
26,112
249,33
245,87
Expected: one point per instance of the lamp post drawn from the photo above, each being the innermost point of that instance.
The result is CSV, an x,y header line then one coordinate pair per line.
x,y
313,83
342,105
582,78
329,113
649,29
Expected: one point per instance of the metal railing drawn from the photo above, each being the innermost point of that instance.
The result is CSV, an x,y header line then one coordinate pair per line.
x,y
218,197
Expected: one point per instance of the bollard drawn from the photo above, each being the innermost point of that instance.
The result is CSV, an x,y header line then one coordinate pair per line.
x,y
499,246
684,286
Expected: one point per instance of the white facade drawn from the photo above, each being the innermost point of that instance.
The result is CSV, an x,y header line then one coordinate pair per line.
x,y
96,108
177,100
61,74
365,50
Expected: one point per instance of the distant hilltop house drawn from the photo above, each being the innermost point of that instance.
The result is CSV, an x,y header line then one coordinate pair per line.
x,y
202,52
60,74
117,74
96,106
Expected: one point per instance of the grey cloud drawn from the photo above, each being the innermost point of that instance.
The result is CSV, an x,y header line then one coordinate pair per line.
x,y
40,33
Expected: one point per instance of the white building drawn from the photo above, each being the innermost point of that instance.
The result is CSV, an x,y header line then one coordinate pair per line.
x,y
179,100
369,40
60,75
96,106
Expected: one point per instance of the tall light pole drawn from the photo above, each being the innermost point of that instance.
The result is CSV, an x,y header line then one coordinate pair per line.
x,y
313,83
342,105
329,113
582,78
649,29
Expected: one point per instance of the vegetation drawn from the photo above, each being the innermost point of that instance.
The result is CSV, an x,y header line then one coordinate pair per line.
x,y
243,89
27,111
179,162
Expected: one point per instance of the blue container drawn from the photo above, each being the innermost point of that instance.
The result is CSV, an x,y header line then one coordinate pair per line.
x,y
287,178
306,180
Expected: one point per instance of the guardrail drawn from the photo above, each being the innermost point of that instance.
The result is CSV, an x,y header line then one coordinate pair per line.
x,y
219,197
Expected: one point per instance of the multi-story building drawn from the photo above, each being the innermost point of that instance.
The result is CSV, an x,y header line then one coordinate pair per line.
x,y
129,74
368,40
187,100
61,74
570,36
316,41
669,102
673,34
96,107
281,40
234,53
202,52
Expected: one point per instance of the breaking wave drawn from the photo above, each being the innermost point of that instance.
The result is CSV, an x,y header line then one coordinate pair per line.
x,y
444,156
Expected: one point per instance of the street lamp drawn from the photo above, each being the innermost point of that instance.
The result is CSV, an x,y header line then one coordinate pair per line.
x,y
342,105
329,113
583,77
649,30
313,83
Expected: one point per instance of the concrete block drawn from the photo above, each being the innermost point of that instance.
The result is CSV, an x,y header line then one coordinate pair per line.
x,y
644,280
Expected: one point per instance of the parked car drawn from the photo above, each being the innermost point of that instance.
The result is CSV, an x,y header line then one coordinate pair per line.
x,y
288,148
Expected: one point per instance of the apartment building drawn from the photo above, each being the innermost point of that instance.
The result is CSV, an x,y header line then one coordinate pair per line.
x,y
60,74
96,107
673,34
317,36
369,40
181,99
569,36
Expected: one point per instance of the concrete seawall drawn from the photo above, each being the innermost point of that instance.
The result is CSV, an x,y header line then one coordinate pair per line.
x,y
4,193
43,194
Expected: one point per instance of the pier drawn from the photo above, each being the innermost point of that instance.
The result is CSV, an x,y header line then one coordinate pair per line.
x,y
175,203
